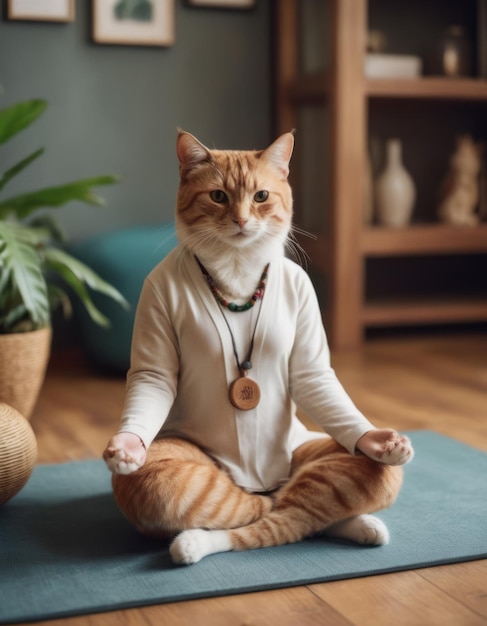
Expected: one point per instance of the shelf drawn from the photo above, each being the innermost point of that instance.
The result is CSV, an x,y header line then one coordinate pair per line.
x,y
427,240
434,88
424,312
316,88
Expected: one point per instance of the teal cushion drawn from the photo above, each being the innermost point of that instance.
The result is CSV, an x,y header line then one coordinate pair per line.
x,y
123,258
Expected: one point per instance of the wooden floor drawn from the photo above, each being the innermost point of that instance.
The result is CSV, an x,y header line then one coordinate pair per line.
x,y
437,382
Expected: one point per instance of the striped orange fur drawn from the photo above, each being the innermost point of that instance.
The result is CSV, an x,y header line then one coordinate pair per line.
x,y
180,488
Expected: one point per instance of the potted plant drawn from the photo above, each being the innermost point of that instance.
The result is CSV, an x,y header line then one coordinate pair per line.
x,y
34,269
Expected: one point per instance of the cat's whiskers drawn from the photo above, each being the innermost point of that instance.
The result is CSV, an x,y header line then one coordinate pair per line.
x,y
296,252
301,231
295,248
195,240
166,230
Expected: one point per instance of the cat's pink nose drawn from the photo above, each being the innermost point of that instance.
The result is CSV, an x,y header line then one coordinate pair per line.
x,y
240,221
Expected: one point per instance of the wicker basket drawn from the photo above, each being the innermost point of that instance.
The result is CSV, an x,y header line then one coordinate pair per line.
x,y
23,362
18,452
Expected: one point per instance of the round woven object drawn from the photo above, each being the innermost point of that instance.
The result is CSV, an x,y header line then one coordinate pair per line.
x,y
23,361
18,452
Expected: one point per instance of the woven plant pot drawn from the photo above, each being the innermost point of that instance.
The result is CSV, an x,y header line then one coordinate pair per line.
x,y
18,452
23,362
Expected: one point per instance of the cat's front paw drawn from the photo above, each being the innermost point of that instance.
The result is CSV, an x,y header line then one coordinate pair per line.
x,y
125,453
397,451
386,446
401,453
119,462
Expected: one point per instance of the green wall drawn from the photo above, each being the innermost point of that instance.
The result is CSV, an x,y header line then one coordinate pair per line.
x,y
115,109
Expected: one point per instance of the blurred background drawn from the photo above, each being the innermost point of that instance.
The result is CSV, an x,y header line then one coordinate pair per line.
x,y
388,99
115,108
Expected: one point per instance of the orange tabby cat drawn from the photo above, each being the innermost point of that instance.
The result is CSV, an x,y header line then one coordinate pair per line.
x,y
227,342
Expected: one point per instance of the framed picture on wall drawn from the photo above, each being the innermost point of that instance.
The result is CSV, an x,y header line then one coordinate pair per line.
x,y
134,22
46,11
223,4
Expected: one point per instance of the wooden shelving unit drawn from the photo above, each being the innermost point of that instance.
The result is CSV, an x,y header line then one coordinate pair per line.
x,y
429,239
317,87
435,88
412,312
339,99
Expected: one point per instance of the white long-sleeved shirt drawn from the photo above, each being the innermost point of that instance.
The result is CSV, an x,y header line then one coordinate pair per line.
x,y
183,362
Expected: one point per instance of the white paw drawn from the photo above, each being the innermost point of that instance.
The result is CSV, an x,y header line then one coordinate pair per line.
x,y
121,463
400,453
191,546
362,529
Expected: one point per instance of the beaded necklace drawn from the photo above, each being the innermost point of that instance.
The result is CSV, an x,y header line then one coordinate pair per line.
x,y
232,306
244,393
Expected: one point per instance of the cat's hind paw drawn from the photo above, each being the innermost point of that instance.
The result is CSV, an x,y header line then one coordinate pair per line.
x,y
191,546
363,529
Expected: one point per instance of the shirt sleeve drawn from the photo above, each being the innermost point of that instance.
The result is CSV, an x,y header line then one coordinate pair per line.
x,y
314,385
154,365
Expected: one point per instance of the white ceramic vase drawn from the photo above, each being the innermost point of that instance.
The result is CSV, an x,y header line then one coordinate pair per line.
x,y
395,191
368,213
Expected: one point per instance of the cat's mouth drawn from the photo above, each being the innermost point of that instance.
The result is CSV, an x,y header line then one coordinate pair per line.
x,y
242,237
241,231
244,234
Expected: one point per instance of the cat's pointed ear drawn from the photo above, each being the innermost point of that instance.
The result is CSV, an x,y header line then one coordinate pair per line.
x,y
190,151
279,153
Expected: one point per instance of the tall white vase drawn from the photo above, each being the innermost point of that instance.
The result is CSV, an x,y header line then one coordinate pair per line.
x,y
368,213
395,191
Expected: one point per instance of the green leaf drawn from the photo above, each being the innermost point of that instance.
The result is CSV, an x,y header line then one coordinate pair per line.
x,y
25,268
48,225
25,204
4,270
56,257
16,169
58,296
17,117
14,316
80,290
77,275
31,235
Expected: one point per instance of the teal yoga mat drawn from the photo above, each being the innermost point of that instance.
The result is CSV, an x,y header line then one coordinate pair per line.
x,y
66,550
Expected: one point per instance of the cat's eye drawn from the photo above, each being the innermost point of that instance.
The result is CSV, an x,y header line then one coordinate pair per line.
x,y
219,196
261,196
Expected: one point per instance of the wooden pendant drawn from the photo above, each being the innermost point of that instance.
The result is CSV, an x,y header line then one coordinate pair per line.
x,y
244,393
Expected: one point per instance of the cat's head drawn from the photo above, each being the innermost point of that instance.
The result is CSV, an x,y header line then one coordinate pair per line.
x,y
230,200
